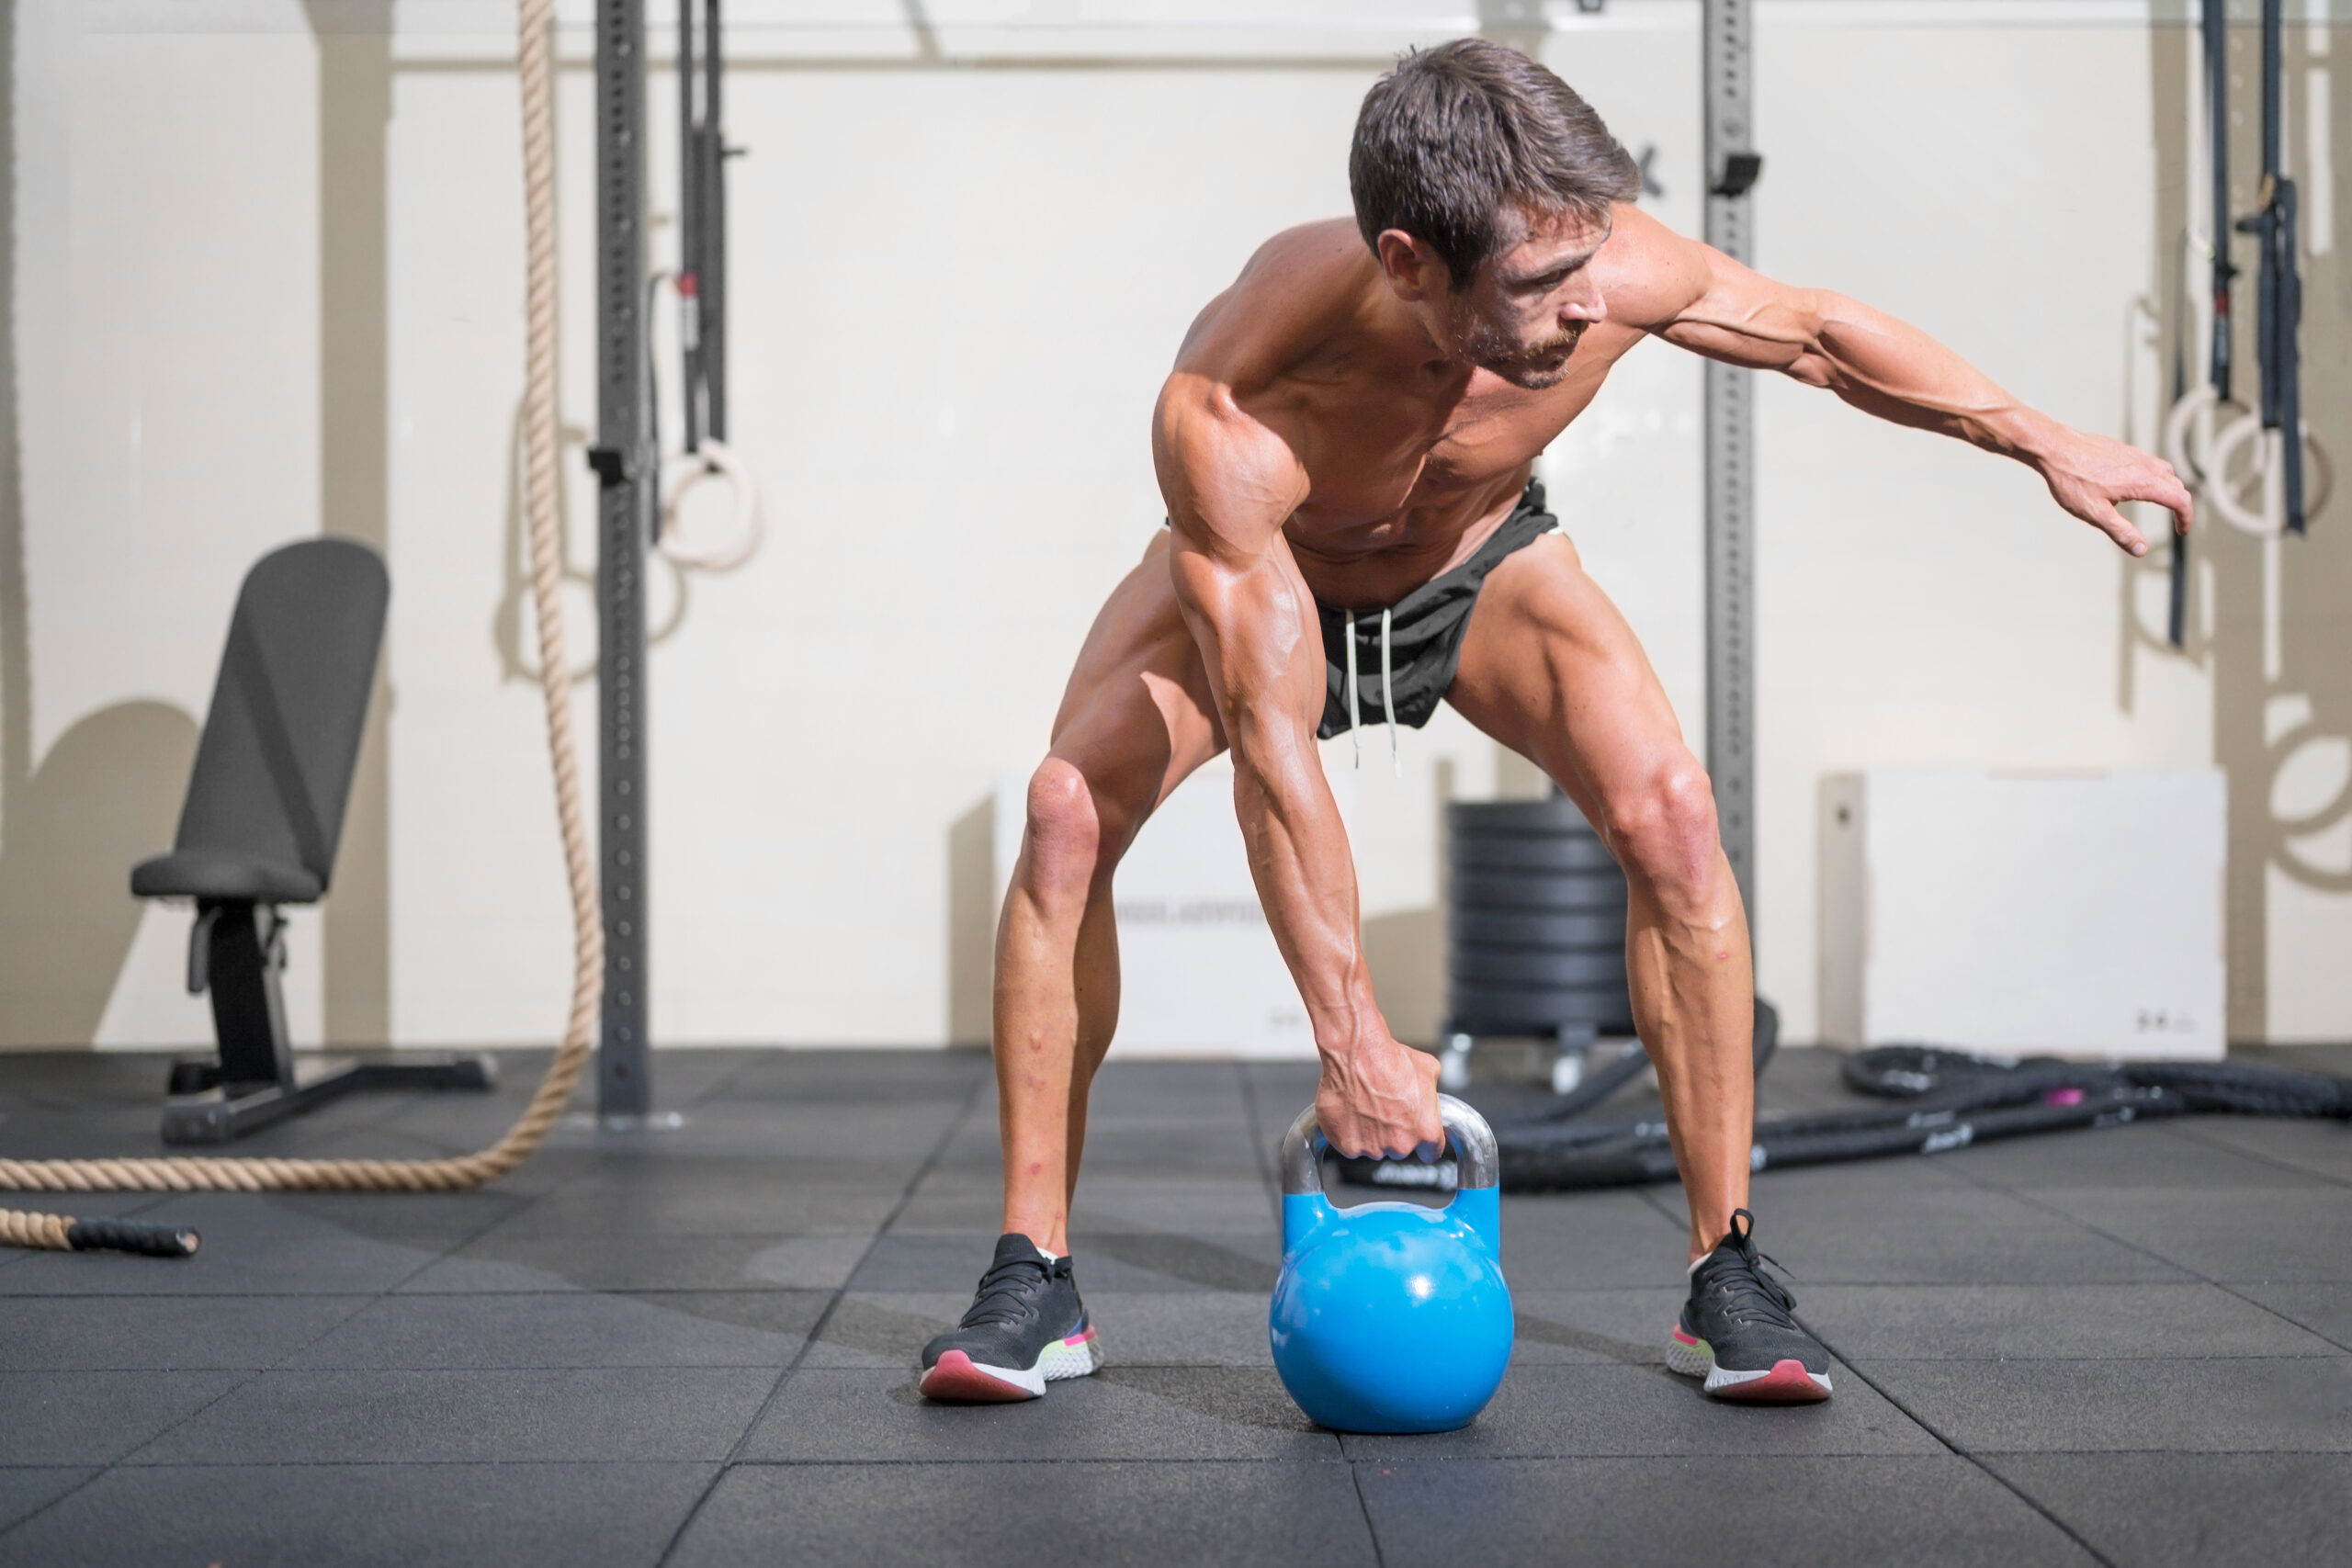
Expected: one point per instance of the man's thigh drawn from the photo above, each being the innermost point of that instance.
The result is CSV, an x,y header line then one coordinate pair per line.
x,y
1550,668
1138,716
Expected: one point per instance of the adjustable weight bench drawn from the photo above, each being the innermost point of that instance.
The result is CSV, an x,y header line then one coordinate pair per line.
x,y
258,831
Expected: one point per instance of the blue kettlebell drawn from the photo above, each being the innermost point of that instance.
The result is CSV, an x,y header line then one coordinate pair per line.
x,y
1392,1317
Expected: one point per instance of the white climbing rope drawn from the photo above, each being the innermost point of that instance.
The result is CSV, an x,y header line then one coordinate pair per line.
x,y
246,1174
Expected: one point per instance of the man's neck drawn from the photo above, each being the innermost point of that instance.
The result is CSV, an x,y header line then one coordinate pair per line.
x,y
1402,337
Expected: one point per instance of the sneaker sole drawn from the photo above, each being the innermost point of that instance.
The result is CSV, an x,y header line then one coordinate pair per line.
x,y
1784,1383
956,1379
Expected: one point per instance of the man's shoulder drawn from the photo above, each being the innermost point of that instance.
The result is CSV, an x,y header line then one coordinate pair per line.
x,y
1297,291
1649,272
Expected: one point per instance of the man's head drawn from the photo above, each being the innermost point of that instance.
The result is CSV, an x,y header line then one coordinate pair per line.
x,y
1484,183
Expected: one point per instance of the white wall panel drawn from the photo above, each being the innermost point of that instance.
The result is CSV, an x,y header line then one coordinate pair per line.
x,y
956,287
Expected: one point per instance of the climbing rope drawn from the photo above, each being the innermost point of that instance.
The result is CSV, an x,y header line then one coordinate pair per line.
x,y
62,1233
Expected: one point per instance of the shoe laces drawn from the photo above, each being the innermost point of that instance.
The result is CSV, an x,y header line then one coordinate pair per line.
x,y
1009,1291
1735,1272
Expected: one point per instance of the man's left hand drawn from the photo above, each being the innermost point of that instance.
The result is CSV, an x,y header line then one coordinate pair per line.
x,y
2090,476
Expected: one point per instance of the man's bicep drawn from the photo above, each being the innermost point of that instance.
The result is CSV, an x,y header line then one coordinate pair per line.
x,y
1230,481
1735,315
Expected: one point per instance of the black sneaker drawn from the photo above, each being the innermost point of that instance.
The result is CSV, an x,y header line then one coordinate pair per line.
x,y
1026,1328
1736,1331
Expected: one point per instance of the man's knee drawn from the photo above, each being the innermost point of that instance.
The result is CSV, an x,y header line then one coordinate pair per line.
x,y
1069,848
1664,833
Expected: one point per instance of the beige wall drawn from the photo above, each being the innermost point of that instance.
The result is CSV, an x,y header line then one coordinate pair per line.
x,y
963,253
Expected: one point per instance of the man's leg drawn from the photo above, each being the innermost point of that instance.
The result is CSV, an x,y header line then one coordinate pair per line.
x,y
1136,720
1550,668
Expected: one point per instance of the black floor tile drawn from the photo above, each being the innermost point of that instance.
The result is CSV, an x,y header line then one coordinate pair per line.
x,y
713,1203
887,1329
2184,1321
1581,1241
1190,1203
496,1515
187,1333
232,1264
852,1078
25,1489
882,1129
1101,1515
95,1418
956,1203
1594,1328
2160,1510
1140,1260
2303,1233
1546,1412
2315,1148
1105,1261
633,1297
1924,1511
559,1328
1170,1146
948,1262
1182,1329
2301,1404
432,1220
2146,1154
1912,1222
2323,1307
819,1260
471,1417
1108,1201
1143,1413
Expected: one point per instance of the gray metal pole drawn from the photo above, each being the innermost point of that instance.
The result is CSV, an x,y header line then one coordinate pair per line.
x,y
1732,169
625,461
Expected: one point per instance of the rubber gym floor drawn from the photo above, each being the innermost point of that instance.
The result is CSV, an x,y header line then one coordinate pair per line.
x,y
694,1345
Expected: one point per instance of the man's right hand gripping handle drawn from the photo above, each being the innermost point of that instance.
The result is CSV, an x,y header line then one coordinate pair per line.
x,y
1231,482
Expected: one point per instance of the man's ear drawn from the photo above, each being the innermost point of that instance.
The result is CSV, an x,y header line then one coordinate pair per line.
x,y
1413,270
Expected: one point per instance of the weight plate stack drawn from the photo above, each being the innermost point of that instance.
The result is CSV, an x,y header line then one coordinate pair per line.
x,y
1535,921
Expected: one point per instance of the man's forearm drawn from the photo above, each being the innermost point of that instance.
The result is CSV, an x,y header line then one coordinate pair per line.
x,y
1890,368
1306,876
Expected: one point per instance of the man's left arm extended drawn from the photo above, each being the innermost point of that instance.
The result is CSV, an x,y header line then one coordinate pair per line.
x,y
1891,369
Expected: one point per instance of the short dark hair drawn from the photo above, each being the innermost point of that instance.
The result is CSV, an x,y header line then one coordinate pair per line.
x,y
1454,137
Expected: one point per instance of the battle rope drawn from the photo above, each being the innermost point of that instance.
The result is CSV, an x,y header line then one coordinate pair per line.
x,y
63,1232
1956,1099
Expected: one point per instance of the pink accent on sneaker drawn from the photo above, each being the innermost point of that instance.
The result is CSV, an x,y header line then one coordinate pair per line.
x,y
957,1380
1787,1383
1083,1337
1684,1336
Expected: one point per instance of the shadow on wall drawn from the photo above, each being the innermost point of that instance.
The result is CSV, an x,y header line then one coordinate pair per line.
x,y
108,792
2266,617
971,924
105,796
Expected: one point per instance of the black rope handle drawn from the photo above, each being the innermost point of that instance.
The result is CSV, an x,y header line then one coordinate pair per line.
x,y
150,1238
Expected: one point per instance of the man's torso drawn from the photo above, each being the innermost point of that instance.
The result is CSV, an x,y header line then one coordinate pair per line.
x,y
1407,473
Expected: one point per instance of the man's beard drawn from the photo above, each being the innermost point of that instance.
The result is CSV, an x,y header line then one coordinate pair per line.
x,y
1545,364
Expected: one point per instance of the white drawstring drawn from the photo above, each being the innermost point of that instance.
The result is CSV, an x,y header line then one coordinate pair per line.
x,y
1354,713
1389,700
1387,696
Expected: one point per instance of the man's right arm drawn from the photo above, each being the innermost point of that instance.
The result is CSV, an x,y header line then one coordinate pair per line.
x,y
1231,482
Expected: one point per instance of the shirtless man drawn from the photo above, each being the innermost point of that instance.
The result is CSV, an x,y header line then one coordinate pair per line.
x,y
1350,427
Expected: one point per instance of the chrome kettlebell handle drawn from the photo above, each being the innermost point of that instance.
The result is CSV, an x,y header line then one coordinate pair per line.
x,y
1476,1163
